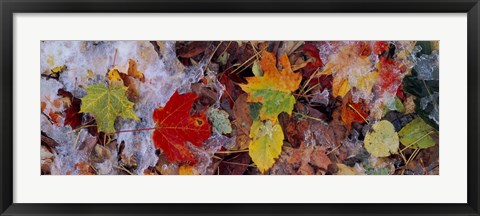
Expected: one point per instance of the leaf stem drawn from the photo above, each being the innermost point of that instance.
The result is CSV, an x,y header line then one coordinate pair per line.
x,y
353,108
334,149
412,156
231,152
123,169
114,57
240,164
308,81
135,130
211,56
247,61
416,141
307,116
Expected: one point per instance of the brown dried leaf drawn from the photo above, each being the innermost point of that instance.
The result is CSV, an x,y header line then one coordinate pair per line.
x,y
193,49
243,121
237,165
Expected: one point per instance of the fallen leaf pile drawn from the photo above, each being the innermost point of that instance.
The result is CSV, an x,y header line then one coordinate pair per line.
x,y
240,108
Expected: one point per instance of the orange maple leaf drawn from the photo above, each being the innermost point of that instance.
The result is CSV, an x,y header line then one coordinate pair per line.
x,y
353,112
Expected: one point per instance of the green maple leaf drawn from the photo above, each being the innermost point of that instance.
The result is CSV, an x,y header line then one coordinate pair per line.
x,y
106,104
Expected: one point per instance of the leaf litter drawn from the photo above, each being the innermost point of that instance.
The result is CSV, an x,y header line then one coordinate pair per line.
x,y
239,107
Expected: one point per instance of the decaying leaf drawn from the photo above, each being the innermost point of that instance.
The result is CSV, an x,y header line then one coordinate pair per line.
x,y
114,78
237,165
382,140
346,170
106,104
84,168
220,121
350,69
193,49
353,112
246,113
243,121
306,159
72,115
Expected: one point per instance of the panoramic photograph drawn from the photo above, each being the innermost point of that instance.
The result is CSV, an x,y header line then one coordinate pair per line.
x,y
239,107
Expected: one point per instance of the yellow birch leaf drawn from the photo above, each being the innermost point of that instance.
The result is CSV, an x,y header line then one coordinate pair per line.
x,y
382,139
265,144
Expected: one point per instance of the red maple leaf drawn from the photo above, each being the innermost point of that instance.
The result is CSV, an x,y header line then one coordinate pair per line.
x,y
311,67
364,48
391,74
379,47
175,127
73,117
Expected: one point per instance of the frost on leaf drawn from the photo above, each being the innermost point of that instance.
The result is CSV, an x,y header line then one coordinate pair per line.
x,y
106,104
273,89
175,126
382,139
350,69
416,134
266,144
302,107
220,121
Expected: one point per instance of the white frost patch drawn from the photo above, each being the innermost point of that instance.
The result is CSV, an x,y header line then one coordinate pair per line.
x,y
68,155
48,93
427,66
87,63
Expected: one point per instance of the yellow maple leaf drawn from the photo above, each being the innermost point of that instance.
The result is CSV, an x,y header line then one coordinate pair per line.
x,y
273,89
185,170
114,78
266,143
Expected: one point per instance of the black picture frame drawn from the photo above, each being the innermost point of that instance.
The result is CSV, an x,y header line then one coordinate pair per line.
x,y
9,7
